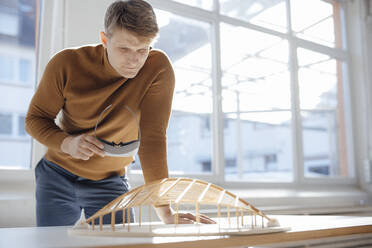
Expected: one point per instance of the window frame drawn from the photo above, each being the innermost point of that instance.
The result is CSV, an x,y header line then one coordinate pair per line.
x,y
17,80
11,117
23,179
217,174
52,38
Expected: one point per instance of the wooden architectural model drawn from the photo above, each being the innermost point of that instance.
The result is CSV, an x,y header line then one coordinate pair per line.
x,y
178,192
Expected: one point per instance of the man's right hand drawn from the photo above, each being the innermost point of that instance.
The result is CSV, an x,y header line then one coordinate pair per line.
x,y
82,146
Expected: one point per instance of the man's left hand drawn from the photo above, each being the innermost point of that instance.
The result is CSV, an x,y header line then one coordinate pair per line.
x,y
167,215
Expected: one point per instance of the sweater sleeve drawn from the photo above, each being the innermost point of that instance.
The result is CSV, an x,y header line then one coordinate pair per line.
x,y
47,101
155,114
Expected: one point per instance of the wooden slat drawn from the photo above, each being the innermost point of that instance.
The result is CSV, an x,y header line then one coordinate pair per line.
x,y
236,203
128,218
197,212
204,192
100,223
221,197
113,220
148,195
185,191
170,187
139,215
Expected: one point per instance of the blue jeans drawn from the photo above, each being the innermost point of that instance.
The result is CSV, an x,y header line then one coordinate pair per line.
x,y
60,195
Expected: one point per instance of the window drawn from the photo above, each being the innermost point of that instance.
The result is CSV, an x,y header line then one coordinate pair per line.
x,y
24,70
17,61
271,14
187,43
322,25
21,126
15,69
205,4
7,68
6,124
281,84
12,125
256,99
8,24
322,113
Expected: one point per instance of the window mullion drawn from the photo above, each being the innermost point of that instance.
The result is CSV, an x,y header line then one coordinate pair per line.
x,y
218,160
297,154
183,10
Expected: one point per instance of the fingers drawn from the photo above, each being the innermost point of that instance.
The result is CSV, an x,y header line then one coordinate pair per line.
x,y
85,146
92,146
188,218
206,220
184,218
82,156
85,152
94,141
184,221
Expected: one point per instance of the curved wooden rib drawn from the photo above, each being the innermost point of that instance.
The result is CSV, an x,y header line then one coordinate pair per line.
x,y
177,191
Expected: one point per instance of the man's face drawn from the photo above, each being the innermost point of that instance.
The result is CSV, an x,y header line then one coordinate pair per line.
x,y
126,52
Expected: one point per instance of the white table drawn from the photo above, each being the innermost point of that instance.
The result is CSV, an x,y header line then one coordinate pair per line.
x,y
305,230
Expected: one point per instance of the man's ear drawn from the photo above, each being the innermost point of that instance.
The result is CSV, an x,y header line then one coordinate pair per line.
x,y
103,38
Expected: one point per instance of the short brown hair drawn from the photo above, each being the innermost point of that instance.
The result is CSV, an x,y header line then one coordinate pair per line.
x,y
136,16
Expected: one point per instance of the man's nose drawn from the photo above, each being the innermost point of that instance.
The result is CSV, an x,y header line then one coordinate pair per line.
x,y
133,58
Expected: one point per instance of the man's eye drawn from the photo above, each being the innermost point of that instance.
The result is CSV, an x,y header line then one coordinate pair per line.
x,y
124,49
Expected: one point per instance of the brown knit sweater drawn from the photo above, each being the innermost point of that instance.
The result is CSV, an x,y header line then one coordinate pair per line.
x,y
82,83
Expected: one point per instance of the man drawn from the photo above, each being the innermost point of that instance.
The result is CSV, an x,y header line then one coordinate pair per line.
x,y
76,172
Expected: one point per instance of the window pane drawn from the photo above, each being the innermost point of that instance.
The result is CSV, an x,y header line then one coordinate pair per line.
x,y
17,56
205,4
318,80
7,68
258,147
317,21
321,86
24,70
187,43
8,23
320,143
13,154
270,14
5,124
21,126
256,103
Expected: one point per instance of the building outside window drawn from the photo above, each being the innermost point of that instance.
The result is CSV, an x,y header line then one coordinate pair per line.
x,y
6,126
17,80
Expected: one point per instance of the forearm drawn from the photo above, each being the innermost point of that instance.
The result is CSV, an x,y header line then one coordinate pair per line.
x,y
153,156
164,213
47,101
45,131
